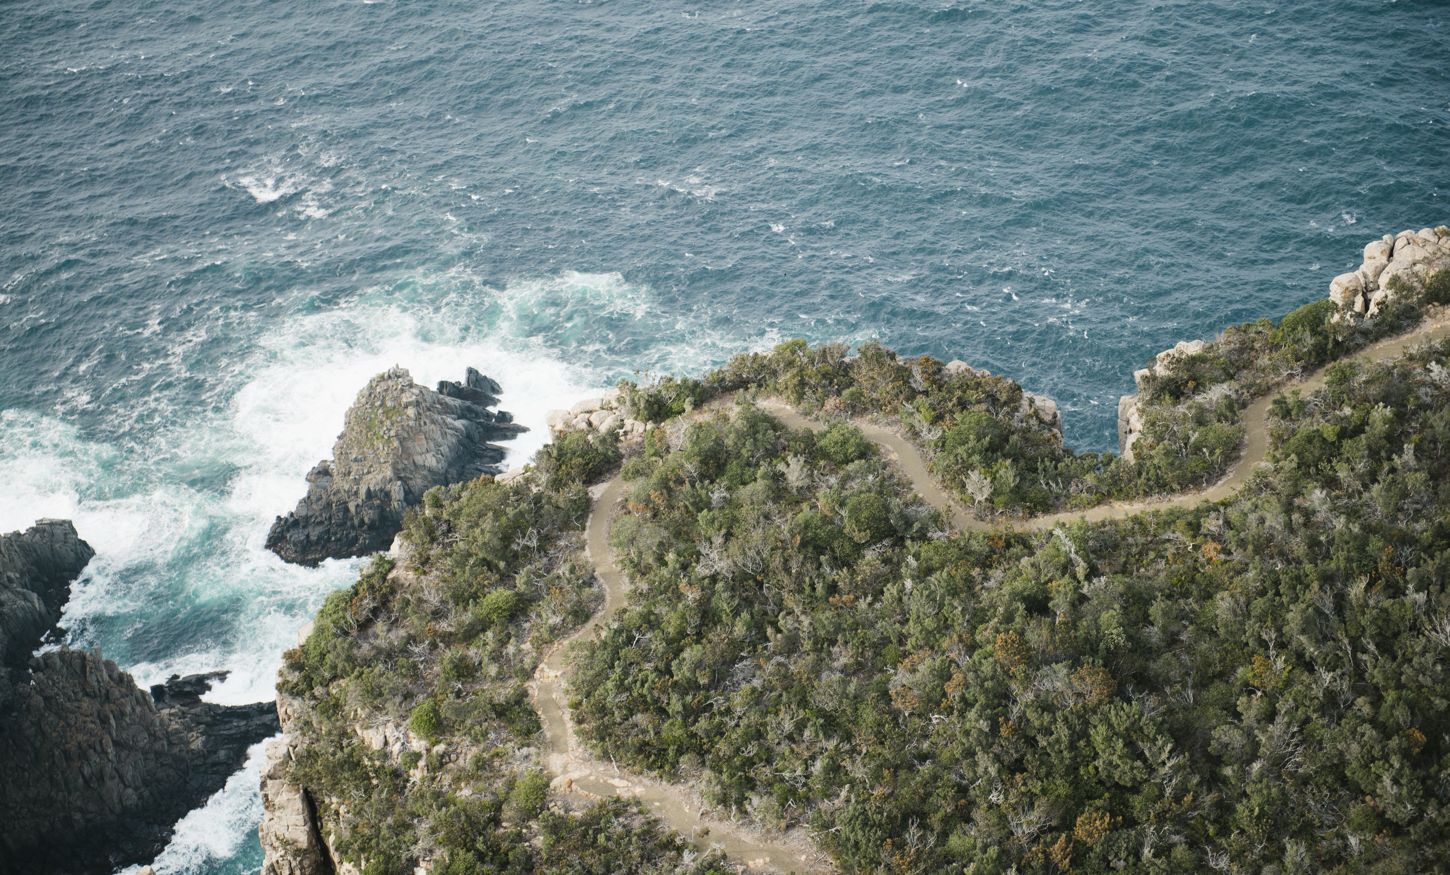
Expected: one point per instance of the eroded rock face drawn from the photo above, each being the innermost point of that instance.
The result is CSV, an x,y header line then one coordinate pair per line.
x,y
1405,259
290,831
399,440
104,771
291,840
36,570
94,771
1130,417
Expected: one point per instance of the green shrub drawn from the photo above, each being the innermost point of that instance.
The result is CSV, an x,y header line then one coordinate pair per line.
x,y
497,608
578,457
426,720
528,795
1307,333
868,517
843,444
1437,288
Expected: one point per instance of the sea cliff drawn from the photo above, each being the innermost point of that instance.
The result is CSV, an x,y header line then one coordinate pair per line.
x,y
97,771
874,599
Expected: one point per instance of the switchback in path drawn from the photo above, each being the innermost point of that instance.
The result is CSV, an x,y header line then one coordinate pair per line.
x,y
680,806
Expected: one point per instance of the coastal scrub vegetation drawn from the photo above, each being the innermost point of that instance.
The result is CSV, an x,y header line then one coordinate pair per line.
x,y
1249,685
442,641
1252,685
991,444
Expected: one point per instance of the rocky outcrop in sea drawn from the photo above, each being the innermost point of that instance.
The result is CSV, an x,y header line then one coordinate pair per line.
x,y
398,441
95,771
36,570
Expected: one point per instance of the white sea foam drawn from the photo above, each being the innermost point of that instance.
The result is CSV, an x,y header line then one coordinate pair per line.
x,y
693,186
216,830
266,188
178,517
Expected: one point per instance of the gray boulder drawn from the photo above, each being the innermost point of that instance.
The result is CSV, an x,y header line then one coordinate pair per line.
x,y
398,441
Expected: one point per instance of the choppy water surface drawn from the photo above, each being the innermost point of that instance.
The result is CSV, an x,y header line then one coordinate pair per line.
x,y
219,222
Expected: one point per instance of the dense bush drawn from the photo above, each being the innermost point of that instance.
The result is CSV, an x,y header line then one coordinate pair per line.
x,y
1249,686
443,642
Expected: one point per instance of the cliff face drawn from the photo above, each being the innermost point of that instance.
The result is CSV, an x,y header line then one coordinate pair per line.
x,y
290,831
36,570
96,770
399,440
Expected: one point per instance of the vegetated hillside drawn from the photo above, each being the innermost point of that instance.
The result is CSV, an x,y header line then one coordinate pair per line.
x,y
1258,685
1250,685
408,700
997,448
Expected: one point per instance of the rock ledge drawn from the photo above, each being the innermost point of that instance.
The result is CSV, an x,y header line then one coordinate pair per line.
x,y
399,440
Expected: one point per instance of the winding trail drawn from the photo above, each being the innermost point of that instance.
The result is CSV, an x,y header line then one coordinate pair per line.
x,y
680,806
677,805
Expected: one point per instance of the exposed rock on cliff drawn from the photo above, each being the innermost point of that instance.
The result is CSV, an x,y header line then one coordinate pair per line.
x,y
96,770
1130,418
1409,257
602,414
107,771
399,440
36,570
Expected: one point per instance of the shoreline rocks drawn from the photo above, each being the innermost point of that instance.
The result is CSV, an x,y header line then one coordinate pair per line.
x,y
37,567
1409,257
398,441
97,771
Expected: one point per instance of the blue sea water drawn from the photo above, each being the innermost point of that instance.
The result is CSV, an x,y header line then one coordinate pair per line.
x,y
218,220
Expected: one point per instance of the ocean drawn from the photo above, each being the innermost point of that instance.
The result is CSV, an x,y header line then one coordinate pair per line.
x,y
218,221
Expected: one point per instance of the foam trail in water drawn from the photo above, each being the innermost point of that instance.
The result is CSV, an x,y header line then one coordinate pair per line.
x,y
216,830
182,582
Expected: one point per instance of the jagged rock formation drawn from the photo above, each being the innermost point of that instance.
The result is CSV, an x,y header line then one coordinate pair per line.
x,y
96,770
36,570
1409,257
399,440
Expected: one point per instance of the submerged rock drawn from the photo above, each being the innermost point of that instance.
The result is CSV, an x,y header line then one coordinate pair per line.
x,y
96,771
399,440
